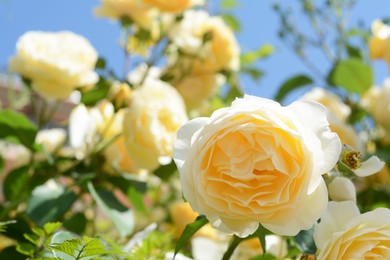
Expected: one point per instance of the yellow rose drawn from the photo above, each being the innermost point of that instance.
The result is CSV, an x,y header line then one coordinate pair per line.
x,y
197,85
57,63
332,102
346,132
116,154
344,233
149,127
337,113
173,6
377,100
182,215
88,126
139,12
221,51
120,94
257,161
379,44
51,139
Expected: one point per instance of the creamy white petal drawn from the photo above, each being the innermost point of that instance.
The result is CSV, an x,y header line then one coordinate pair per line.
x,y
81,126
369,167
337,215
308,214
183,142
341,189
313,116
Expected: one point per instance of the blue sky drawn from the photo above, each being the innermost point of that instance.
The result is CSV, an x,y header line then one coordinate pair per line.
x,y
259,26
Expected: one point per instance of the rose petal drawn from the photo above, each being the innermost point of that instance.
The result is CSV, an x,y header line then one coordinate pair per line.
x,y
183,142
312,209
337,215
313,117
341,189
369,167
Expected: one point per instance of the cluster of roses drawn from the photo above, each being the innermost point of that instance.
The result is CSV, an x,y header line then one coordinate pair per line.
x,y
152,110
253,162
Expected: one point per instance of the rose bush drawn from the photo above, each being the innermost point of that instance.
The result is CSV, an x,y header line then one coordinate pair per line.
x,y
55,62
344,233
257,161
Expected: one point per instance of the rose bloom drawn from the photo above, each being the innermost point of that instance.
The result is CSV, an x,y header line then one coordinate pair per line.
x,y
182,214
116,154
344,233
88,126
376,101
51,139
197,85
257,161
346,132
379,44
140,12
55,62
330,101
173,6
150,125
337,113
220,52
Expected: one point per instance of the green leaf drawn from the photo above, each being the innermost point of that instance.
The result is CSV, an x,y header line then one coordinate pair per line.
x,y
38,231
47,204
165,172
96,94
264,257
227,4
125,181
15,184
136,199
4,224
100,63
253,72
93,246
122,218
25,249
354,52
189,231
17,127
50,227
305,241
69,247
262,52
76,223
232,22
353,75
291,84
33,238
